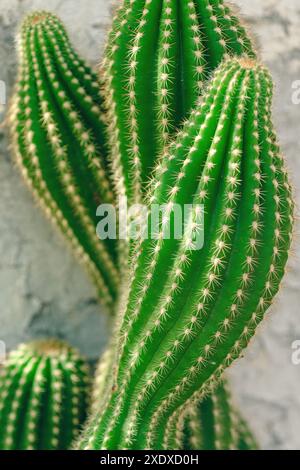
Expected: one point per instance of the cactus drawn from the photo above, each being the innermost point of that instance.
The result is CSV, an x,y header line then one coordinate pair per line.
x,y
43,396
102,379
59,140
190,313
158,57
211,424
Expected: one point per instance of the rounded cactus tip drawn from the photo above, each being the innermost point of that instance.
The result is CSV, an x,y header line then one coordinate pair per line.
x,y
247,62
37,18
47,347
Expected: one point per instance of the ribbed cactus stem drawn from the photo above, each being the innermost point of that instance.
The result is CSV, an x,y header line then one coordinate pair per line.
x,y
43,396
191,312
209,423
159,54
212,423
59,139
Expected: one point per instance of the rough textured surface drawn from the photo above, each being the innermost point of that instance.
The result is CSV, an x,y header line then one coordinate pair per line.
x,y
44,292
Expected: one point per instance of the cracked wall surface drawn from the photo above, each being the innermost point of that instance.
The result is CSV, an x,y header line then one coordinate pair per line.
x,y
43,291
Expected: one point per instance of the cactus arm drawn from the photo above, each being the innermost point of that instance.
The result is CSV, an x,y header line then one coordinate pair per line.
x,y
260,296
43,396
32,174
158,55
56,137
177,342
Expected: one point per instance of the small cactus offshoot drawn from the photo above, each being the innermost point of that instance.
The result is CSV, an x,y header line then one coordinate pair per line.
x,y
59,141
44,389
191,312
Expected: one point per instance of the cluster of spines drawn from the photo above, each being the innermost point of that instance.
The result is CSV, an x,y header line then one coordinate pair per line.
x,y
190,325
59,140
148,90
44,388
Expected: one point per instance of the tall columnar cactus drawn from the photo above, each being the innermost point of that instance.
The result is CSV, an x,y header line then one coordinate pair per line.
x,y
158,57
43,396
190,312
59,139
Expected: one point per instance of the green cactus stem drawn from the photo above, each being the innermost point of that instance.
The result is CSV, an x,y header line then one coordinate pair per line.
x,y
158,57
43,396
211,424
191,312
59,140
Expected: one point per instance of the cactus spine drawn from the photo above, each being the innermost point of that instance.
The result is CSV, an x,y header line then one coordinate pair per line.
x,y
59,140
159,54
43,396
180,329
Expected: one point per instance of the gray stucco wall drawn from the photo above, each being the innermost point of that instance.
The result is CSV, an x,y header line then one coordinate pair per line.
x,y
43,291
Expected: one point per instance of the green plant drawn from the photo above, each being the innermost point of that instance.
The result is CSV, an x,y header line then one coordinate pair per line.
x,y
59,140
181,328
187,311
158,57
102,378
43,396
211,424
